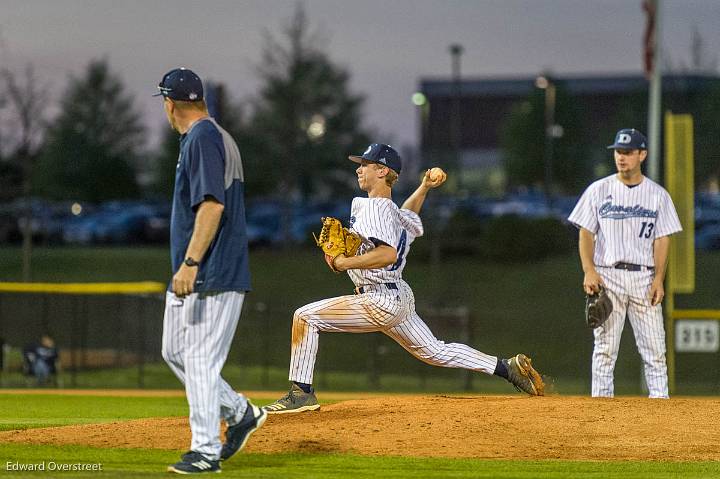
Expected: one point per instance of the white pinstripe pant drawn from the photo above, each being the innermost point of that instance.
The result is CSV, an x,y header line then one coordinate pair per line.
x,y
629,292
389,311
197,333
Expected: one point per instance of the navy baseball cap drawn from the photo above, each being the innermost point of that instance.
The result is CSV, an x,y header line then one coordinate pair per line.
x,y
629,139
181,84
382,154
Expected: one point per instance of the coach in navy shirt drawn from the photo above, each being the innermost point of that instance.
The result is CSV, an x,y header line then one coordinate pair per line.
x,y
208,244
209,173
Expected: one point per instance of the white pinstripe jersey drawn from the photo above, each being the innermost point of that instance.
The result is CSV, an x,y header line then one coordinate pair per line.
x,y
625,220
381,219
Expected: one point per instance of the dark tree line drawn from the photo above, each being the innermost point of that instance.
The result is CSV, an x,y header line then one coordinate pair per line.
x,y
293,133
93,145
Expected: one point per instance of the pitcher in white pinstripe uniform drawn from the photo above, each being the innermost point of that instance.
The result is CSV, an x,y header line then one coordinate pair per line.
x,y
625,223
209,253
383,301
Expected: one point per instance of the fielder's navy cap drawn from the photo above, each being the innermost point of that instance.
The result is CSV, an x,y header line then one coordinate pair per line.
x,y
382,154
629,139
181,84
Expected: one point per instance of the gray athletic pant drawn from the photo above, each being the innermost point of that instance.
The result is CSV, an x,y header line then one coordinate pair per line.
x,y
197,333
389,311
629,292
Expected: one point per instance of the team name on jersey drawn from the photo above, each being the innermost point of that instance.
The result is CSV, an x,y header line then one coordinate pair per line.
x,y
620,212
352,222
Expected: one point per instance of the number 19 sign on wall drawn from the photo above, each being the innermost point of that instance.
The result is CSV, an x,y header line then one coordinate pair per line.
x,y
697,336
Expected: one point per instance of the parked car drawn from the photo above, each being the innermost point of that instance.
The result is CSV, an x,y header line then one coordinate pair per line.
x,y
562,206
707,209
264,221
706,215
116,222
81,229
121,227
263,224
157,224
9,228
523,206
46,218
708,237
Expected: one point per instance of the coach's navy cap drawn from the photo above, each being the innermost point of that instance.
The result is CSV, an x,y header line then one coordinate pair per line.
x,y
181,84
383,154
629,139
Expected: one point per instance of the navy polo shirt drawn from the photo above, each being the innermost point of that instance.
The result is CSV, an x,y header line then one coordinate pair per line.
x,y
210,166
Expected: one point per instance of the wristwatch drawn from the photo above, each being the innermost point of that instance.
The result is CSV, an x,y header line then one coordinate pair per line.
x,y
190,262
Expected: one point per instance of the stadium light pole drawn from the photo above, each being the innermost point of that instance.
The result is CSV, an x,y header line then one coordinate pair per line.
x,y
456,51
653,71
420,100
552,131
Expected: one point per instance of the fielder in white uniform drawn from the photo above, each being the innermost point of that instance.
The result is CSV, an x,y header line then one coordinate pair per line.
x,y
211,276
625,223
383,302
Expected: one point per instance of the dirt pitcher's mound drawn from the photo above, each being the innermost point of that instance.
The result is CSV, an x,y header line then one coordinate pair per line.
x,y
507,427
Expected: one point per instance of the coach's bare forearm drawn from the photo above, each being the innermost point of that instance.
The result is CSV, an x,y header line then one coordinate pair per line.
x,y
207,221
379,257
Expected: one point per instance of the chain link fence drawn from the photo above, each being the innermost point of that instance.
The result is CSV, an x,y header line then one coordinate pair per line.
x,y
114,340
113,332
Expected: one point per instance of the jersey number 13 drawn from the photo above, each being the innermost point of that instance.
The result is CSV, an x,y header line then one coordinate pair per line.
x,y
646,229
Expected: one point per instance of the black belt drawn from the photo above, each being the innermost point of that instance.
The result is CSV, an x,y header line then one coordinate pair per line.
x,y
362,289
633,267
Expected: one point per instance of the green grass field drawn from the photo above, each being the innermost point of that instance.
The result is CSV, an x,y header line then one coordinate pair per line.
x,y
535,306
25,411
159,376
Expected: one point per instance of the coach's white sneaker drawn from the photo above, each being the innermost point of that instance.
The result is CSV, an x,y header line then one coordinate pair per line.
x,y
296,400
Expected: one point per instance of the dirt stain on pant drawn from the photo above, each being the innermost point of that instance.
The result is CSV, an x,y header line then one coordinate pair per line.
x,y
299,331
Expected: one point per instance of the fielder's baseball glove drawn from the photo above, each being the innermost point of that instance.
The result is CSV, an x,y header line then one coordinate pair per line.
x,y
598,307
334,240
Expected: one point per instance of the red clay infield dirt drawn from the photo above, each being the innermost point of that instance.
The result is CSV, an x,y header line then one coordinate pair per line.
x,y
493,427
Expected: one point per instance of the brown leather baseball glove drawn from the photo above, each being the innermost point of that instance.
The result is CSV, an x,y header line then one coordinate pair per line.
x,y
334,240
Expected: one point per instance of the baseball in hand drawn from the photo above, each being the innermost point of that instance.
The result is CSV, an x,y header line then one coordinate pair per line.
x,y
436,174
